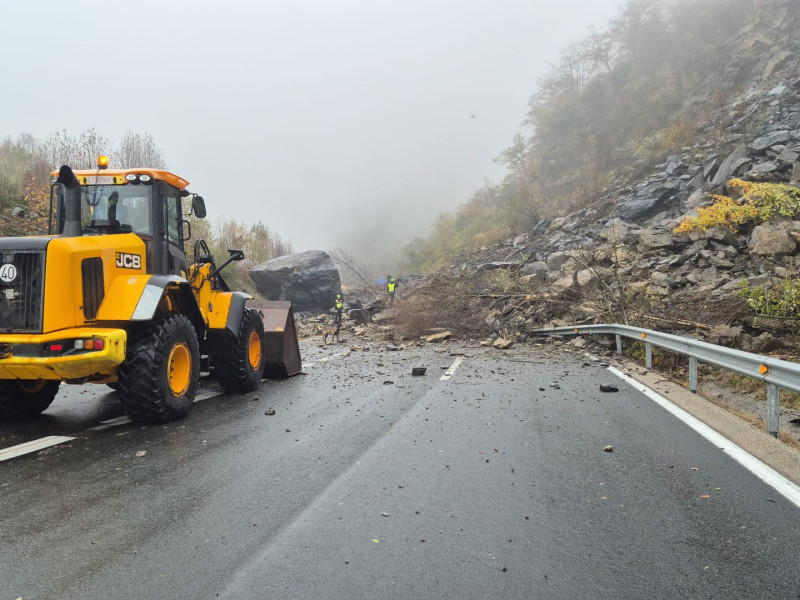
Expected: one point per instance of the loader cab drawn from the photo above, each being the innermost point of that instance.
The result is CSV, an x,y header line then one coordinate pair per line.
x,y
140,201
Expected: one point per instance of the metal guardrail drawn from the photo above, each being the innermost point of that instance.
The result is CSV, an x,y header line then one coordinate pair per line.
x,y
776,373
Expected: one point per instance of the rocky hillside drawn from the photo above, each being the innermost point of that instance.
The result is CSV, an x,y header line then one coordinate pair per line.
x,y
619,259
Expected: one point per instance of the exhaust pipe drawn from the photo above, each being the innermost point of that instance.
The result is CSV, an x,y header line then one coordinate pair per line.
x,y
72,202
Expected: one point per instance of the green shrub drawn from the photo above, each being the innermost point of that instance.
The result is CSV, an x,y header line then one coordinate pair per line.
x,y
780,300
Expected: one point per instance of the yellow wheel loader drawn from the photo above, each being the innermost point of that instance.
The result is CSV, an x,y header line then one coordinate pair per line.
x,y
108,297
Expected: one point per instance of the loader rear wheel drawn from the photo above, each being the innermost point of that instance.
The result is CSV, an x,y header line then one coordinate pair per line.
x,y
243,370
158,379
26,398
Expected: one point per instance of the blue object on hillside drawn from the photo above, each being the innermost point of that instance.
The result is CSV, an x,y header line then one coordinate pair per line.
x,y
381,280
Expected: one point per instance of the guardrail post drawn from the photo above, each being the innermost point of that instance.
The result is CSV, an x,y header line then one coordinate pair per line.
x,y
648,356
693,374
619,344
773,409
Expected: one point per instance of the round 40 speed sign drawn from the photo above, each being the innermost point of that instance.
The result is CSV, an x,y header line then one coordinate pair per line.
x,y
8,273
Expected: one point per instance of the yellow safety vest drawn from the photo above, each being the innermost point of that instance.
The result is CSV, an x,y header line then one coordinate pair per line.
x,y
391,287
339,305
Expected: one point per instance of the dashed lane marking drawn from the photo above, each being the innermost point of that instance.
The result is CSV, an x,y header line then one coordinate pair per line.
x,y
453,368
206,396
766,474
119,421
33,446
326,358
53,440
108,424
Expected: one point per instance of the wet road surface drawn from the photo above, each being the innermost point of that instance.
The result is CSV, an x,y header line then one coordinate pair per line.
x,y
369,482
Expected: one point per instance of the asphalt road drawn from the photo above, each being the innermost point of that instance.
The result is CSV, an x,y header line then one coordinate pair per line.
x,y
371,483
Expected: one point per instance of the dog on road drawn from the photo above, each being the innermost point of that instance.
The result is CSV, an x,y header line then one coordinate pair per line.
x,y
332,331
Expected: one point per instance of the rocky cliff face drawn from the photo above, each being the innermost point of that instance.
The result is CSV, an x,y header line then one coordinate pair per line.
x,y
618,258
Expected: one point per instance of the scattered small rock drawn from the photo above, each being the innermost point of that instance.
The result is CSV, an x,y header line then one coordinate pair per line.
x,y
502,344
608,387
579,342
141,453
609,448
270,412
439,337
418,371
388,382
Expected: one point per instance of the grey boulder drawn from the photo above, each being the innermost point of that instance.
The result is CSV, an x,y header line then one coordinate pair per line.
x,y
309,280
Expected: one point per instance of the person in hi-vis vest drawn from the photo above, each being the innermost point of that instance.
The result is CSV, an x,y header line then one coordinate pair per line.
x,y
339,305
391,285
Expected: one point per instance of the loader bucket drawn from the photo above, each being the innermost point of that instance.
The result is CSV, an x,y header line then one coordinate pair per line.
x,y
281,349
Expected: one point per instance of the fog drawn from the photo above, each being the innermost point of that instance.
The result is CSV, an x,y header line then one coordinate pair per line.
x,y
348,123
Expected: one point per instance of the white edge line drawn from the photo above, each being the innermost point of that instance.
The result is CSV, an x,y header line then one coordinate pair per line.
x,y
765,473
33,446
453,368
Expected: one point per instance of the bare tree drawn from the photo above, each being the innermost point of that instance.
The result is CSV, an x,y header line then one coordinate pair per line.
x,y
357,270
612,285
599,49
138,150
78,152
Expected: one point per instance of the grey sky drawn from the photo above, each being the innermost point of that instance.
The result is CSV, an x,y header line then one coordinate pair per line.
x,y
325,120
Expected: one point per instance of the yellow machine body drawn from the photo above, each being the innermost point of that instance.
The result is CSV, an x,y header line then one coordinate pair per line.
x,y
110,298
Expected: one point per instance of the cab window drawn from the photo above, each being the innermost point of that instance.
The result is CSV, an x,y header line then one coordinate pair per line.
x,y
173,202
128,205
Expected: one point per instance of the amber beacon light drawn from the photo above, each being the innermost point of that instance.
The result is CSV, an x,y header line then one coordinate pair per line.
x,y
102,162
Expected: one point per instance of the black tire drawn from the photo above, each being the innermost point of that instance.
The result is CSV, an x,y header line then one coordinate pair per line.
x,y
158,380
26,398
243,371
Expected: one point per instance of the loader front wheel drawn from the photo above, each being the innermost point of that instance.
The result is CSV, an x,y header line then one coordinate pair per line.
x,y
158,380
242,370
26,398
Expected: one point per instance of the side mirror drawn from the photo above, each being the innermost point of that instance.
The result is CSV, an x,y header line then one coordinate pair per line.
x,y
199,207
186,230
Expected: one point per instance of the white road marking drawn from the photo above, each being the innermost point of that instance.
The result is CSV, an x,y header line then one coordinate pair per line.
x,y
783,486
108,424
326,358
53,440
453,368
33,446
206,396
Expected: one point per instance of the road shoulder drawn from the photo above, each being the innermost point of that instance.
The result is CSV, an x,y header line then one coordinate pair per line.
x,y
772,452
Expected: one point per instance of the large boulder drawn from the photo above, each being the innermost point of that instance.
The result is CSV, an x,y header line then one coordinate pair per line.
x,y
651,239
534,268
647,202
309,279
769,140
774,239
727,167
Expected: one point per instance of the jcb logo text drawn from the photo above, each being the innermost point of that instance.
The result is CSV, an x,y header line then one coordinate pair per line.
x,y
129,261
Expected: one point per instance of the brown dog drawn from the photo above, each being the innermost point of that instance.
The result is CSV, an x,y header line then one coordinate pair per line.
x,y
332,331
